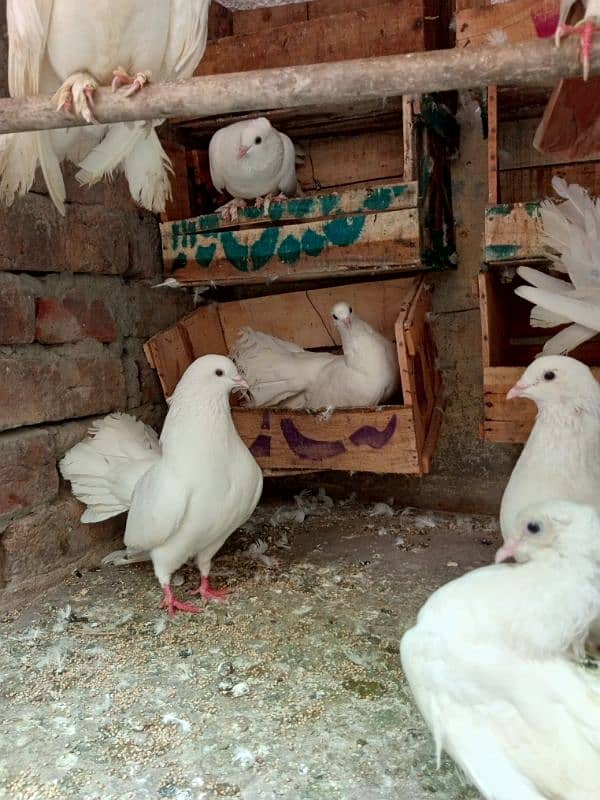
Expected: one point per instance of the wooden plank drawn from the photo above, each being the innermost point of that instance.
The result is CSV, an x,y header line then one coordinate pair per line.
x,y
178,207
516,150
257,20
513,232
289,252
387,30
409,170
325,8
386,197
220,22
535,183
433,435
416,319
517,21
351,159
366,440
492,104
569,127
494,321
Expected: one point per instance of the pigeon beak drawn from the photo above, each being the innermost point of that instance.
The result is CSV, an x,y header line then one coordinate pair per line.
x,y
348,322
243,151
239,381
518,390
507,550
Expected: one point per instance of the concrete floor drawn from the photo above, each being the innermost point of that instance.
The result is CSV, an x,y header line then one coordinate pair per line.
x,y
293,689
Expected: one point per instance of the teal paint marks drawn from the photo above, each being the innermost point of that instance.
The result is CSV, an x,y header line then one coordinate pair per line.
x,y
180,261
378,200
205,255
300,206
276,211
252,212
209,222
175,236
399,189
345,231
329,203
188,233
289,250
505,209
313,243
235,252
501,252
263,249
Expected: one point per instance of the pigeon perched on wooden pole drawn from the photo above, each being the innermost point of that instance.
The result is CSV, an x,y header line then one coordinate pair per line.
x,y
71,47
491,668
187,492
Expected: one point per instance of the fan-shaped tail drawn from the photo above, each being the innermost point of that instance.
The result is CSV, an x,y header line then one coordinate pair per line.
x,y
105,468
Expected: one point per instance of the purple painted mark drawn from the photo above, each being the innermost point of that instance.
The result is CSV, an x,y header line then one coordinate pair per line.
x,y
309,449
266,421
261,446
370,436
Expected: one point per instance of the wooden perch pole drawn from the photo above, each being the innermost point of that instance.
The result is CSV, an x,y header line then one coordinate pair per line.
x,y
536,63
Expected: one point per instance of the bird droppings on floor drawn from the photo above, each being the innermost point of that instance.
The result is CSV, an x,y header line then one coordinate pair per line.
x,y
293,689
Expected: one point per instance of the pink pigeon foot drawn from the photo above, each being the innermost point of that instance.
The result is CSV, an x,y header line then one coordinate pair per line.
x,y
585,30
208,593
136,83
173,605
229,211
76,96
265,202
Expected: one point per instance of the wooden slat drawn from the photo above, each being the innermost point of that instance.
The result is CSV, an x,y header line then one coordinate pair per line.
x,y
325,8
386,197
516,149
516,21
513,233
492,97
415,322
220,22
256,20
290,252
355,159
433,435
535,183
386,30
494,322
410,166
296,439
569,127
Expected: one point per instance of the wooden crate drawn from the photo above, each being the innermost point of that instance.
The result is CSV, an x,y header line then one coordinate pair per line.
x,y
509,345
396,438
375,201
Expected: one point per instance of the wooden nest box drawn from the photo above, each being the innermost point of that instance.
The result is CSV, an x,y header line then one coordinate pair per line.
x,y
396,438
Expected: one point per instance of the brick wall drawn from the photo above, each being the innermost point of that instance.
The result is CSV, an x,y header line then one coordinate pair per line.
x,y
75,309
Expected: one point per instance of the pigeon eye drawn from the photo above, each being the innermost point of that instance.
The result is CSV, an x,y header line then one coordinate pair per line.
x,y
350,309
219,373
258,140
334,316
550,375
534,527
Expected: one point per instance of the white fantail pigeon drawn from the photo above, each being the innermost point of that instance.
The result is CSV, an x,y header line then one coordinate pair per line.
x,y
252,160
571,232
491,668
282,374
69,47
185,493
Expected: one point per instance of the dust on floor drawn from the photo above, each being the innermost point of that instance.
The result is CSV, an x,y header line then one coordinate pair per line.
x,y
293,689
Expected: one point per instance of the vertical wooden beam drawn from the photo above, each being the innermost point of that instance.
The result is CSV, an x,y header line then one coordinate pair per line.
x,y
492,103
408,121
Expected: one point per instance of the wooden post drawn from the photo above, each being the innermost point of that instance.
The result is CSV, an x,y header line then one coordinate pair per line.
x,y
492,107
527,64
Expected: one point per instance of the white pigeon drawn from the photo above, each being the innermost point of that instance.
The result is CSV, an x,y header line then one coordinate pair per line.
x,y
186,493
282,374
571,234
491,668
585,29
69,47
252,160
561,458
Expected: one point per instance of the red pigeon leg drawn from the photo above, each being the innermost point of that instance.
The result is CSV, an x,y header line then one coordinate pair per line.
x,y
585,31
208,593
173,605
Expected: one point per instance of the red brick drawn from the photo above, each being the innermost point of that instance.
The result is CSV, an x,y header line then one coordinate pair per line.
x,y
92,239
17,311
28,474
38,385
53,536
73,318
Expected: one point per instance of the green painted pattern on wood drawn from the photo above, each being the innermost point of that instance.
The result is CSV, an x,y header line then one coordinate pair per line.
x,y
502,252
532,209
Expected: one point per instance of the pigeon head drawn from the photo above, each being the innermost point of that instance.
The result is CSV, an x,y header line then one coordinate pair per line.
x,y
557,380
559,526
212,376
253,137
341,315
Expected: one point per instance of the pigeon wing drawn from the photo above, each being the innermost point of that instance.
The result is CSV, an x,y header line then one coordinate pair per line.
x,y
28,22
